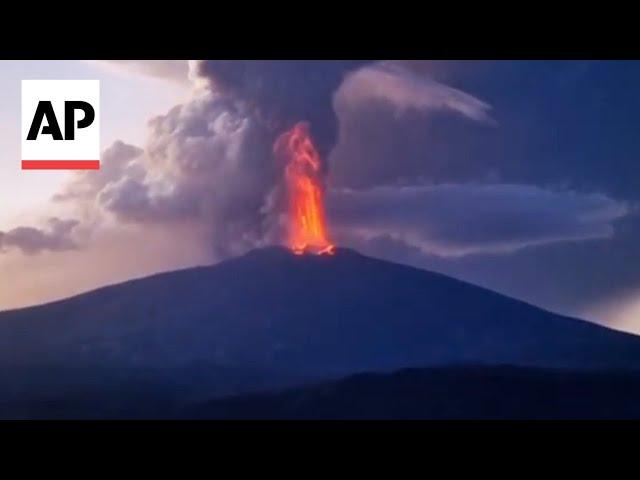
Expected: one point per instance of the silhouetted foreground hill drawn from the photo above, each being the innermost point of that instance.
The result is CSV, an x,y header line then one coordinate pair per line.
x,y
99,393
469,392
444,393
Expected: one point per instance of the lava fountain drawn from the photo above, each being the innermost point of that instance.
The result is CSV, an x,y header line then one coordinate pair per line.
x,y
307,225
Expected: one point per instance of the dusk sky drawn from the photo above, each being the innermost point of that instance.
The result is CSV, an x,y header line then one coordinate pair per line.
x,y
519,176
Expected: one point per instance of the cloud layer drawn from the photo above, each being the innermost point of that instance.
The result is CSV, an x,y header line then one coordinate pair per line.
x,y
455,220
29,240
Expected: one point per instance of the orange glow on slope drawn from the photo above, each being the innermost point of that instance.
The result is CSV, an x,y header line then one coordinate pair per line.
x,y
307,222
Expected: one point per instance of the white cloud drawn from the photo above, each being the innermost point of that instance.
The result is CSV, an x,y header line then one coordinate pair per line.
x,y
173,70
406,90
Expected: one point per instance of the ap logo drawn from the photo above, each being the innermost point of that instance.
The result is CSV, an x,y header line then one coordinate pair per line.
x,y
60,124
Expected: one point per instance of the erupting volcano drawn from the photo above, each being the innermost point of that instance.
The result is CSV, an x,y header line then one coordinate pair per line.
x,y
307,227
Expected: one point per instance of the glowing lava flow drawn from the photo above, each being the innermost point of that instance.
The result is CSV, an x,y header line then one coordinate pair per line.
x,y
307,222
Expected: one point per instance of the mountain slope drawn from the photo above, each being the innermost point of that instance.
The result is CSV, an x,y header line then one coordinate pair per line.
x,y
304,315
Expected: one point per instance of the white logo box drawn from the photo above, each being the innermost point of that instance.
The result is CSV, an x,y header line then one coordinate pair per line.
x,y
83,152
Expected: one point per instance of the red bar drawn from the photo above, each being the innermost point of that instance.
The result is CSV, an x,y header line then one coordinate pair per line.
x,y
60,164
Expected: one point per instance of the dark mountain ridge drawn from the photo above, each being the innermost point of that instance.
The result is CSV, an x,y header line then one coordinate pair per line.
x,y
444,393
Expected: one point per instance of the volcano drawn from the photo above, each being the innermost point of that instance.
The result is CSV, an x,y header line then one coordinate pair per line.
x,y
272,309
272,317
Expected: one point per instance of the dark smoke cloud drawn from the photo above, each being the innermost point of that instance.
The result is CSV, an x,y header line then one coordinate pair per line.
x,y
30,240
283,92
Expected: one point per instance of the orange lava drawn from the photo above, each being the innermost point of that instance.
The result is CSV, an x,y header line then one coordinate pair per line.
x,y
307,222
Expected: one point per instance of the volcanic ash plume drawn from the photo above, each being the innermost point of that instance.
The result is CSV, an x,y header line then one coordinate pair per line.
x,y
209,163
307,226
292,100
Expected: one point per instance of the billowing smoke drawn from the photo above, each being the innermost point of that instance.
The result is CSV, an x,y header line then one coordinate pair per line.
x,y
30,240
210,160
283,92
206,161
